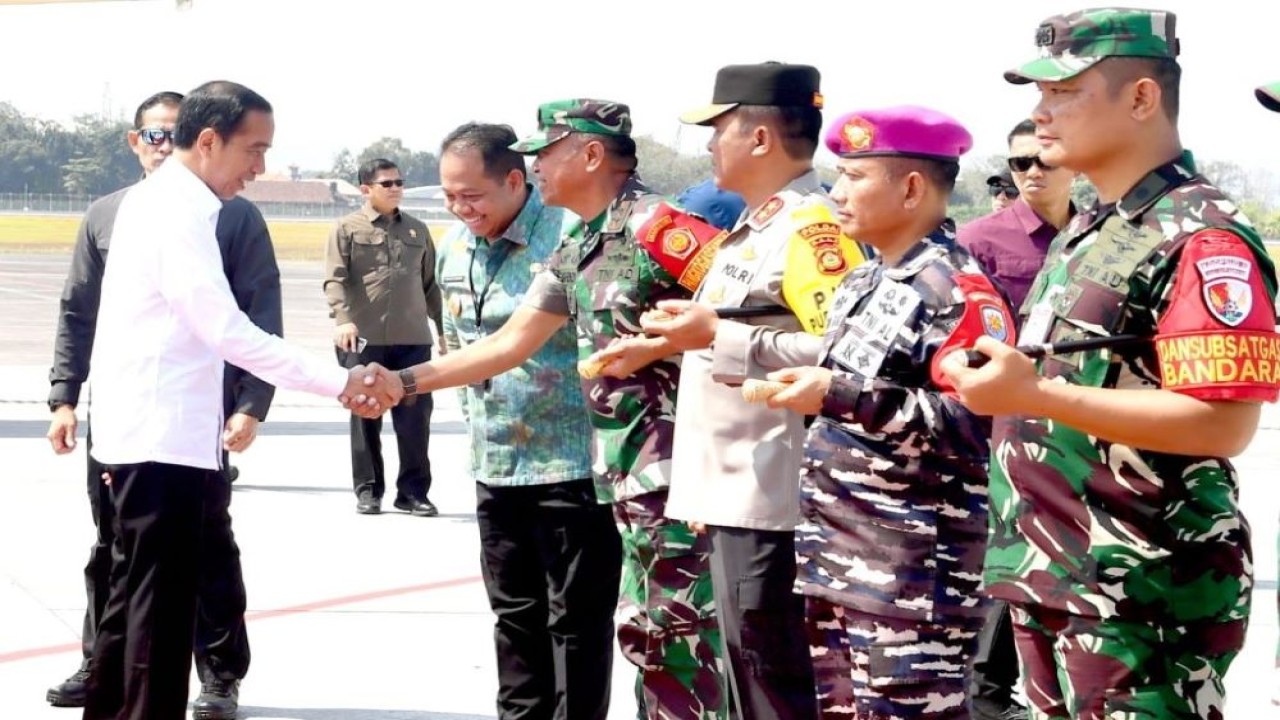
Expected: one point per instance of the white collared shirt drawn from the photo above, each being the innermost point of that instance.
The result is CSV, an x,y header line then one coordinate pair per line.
x,y
166,323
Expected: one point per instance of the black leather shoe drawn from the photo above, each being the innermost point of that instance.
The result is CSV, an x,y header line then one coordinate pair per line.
x,y
421,508
367,504
218,700
70,692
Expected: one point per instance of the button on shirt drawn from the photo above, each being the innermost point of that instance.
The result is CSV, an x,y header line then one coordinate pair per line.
x,y
166,323
529,425
380,275
1010,245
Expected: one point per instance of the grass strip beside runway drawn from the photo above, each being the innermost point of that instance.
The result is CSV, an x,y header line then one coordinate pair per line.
x,y
293,239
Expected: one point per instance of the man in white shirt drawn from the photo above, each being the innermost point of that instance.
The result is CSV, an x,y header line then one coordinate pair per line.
x,y
167,321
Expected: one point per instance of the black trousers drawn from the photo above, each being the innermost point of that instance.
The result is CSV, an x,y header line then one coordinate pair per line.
x,y
221,640
770,675
995,665
551,559
142,656
411,420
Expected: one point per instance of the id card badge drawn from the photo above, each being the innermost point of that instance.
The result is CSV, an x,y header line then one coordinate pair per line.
x,y
1040,319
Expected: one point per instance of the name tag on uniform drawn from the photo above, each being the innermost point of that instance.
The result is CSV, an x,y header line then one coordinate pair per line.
x,y
872,331
1040,319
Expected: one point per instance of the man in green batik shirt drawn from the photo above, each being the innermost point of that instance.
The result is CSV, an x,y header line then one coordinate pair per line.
x,y
550,554
1116,533
632,250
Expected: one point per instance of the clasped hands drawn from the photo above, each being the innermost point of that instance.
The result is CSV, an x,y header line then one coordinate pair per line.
x,y
672,326
371,390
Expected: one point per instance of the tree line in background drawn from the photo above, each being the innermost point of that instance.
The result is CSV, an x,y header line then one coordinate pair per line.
x,y
91,158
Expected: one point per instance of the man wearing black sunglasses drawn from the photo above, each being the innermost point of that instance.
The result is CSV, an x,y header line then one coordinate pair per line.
x,y
222,646
380,282
1002,190
1011,243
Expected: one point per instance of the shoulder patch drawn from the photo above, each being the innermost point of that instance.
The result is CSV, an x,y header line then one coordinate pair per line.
x,y
767,211
681,243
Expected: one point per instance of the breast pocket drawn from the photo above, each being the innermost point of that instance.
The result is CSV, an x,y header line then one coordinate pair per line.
x,y
369,255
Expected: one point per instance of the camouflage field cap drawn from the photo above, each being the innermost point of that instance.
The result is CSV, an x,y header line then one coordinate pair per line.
x,y
561,117
1072,43
1269,96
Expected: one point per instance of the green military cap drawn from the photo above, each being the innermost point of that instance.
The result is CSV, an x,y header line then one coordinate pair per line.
x,y
1072,43
1269,96
558,119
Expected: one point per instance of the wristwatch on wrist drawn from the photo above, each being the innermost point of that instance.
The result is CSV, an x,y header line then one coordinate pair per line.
x,y
406,379
55,404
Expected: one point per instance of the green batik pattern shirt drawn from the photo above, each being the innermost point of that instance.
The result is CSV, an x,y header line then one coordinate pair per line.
x,y
529,425
1097,528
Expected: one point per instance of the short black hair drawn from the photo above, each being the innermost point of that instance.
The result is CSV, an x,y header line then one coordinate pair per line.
x,y
620,148
1026,127
220,105
369,169
941,174
492,142
1166,72
168,98
799,127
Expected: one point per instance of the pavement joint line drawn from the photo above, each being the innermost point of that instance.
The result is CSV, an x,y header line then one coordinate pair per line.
x,y
253,616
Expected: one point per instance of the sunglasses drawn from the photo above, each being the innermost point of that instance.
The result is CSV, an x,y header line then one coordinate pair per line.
x,y
155,136
1008,191
1023,163
389,183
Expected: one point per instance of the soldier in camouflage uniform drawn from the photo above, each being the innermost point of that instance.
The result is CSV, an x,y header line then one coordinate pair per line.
x,y
631,250
893,490
1116,533
1269,96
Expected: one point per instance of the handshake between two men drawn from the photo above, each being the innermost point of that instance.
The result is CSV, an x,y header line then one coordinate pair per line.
x,y
373,389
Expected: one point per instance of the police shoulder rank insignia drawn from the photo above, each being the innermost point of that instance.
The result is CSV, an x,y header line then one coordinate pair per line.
x,y
761,217
681,243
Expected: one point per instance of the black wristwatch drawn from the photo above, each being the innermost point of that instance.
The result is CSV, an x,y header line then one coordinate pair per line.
x,y
55,404
406,379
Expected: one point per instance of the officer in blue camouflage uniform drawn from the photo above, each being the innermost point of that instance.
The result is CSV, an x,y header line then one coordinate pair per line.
x,y
1116,535
626,249
1269,96
893,490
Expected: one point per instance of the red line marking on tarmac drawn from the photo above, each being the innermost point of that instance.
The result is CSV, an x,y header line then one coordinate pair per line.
x,y
30,653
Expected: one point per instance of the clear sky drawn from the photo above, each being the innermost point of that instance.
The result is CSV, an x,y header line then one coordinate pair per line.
x,y
342,73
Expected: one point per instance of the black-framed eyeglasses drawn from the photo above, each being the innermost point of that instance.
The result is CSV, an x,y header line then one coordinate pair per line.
x,y
155,136
389,183
1023,163
1008,191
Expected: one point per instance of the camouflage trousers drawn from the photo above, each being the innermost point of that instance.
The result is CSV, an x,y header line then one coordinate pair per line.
x,y
872,667
666,616
1076,667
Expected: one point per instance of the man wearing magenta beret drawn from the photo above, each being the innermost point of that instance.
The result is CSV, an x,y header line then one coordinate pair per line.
x,y
893,488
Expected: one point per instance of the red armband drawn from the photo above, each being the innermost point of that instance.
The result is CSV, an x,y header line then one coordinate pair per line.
x,y
985,313
1216,338
681,243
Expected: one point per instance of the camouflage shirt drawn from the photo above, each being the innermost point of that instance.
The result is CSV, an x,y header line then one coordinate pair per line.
x,y
893,489
1097,528
604,279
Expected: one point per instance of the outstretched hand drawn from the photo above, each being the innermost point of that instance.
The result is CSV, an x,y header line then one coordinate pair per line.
x,y
371,390
806,389
1006,385
686,325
